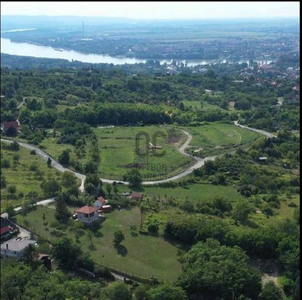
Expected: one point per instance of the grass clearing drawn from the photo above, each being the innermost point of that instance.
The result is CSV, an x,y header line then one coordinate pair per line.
x,y
141,255
117,150
193,192
118,155
217,138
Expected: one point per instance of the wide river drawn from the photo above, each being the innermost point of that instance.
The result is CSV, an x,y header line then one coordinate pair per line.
x,y
25,49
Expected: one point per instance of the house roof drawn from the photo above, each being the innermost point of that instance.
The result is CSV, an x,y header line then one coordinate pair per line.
x,y
7,125
14,245
136,195
4,230
5,222
86,209
101,200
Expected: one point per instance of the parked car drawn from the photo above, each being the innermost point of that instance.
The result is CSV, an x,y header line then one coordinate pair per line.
x,y
18,239
74,216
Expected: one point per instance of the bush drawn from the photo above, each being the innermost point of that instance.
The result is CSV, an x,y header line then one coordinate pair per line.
x,y
33,152
5,163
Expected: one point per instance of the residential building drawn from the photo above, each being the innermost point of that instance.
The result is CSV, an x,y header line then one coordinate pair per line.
x,y
14,248
100,202
87,214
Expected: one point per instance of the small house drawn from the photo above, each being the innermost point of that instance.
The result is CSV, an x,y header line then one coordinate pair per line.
x,y
136,196
6,227
100,201
14,248
87,214
13,124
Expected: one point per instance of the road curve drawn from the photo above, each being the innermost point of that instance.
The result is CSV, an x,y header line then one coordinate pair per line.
x,y
54,163
267,134
199,162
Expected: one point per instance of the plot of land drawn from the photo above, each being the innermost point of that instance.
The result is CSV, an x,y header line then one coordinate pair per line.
x,y
22,177
118,152
194,192
217,138
140,255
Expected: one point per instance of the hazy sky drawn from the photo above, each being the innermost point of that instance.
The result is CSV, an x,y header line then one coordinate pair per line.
x,y
155,10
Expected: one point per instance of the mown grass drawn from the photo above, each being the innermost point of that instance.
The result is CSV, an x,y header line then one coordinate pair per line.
x,y
19,174
118,155
118,152
203,105
217,138
140,255
193,192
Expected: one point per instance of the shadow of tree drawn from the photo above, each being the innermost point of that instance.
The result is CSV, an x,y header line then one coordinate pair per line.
x,y
92,247
121,250
98,234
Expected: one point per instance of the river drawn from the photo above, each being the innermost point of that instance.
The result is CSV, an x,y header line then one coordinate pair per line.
x,y
26,49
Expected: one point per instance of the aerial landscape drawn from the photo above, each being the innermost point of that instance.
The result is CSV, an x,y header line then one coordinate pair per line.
x,y
150,150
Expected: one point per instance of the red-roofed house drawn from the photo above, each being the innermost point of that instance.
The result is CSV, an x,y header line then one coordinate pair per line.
x,y
7,125
5,230
100,202
87,214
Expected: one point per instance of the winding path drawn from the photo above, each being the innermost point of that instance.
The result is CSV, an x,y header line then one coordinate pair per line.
x,y
199,162
267,134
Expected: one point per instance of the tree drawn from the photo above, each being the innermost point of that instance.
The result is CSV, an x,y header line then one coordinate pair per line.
x,y
30,256
109,189
3,182
270,292
14,146
64,157
51,187
62,212
118,237
218,271
242,210
66,252
90,235
68,179
115,189
11,131
167,292
134,177
49,161
11,190
117,291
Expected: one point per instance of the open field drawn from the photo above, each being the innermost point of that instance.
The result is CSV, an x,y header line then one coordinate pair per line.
x,y
194,192
140,255
118,145
20,175
217,138
117,150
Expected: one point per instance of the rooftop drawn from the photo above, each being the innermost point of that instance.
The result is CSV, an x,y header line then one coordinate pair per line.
x,y
86,209
101,200
14,245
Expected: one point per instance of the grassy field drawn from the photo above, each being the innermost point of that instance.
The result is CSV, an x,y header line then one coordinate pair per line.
x,y
140,255
217,138
117,147
194,192
19,174
117,150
